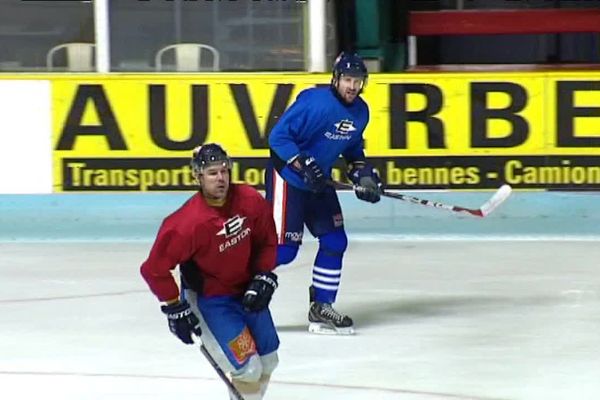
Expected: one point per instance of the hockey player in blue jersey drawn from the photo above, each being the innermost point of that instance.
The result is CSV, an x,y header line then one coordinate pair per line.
x,y
322,124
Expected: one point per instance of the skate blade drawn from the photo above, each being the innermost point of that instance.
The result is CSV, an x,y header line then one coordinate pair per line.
x,y
324,329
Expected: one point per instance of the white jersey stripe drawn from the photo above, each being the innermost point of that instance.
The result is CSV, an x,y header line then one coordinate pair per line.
x,y
279,192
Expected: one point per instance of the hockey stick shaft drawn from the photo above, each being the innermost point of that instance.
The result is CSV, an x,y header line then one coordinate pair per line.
x,y
232,389
498,198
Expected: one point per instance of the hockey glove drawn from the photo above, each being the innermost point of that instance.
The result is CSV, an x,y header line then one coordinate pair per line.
x,y
367,184
311,173
182,321
259,291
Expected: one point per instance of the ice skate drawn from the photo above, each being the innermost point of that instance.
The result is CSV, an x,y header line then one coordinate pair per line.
x,y
324,319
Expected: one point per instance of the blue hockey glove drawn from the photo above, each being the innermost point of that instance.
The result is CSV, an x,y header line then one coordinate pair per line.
x,y
259,291
367,184
311,173
182,321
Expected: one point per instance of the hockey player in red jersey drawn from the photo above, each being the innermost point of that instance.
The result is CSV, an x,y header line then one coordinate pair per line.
x,y
224,241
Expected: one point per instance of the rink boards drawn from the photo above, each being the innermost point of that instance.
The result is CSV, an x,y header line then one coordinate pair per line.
x,y
427,131
137,216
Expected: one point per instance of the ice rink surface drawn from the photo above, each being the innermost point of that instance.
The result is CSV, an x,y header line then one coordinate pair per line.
x,y
435,320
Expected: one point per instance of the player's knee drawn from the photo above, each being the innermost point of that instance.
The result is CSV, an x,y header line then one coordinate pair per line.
x,y
286,253
334,243
250,372
269,362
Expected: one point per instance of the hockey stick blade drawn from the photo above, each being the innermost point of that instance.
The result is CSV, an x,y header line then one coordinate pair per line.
x,y
497,198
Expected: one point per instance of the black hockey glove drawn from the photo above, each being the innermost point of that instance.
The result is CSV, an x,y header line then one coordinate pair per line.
x,y
367,184
182,321
259,291
311,173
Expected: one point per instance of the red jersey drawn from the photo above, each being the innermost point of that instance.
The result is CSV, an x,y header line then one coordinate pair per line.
x,y
229,244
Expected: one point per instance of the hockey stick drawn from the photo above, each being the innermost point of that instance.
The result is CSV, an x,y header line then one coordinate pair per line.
x,y
497,198
232,389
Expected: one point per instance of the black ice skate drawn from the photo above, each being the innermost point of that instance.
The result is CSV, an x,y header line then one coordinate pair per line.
x,y
324,319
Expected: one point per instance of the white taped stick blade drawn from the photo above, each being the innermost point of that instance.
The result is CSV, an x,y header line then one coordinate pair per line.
x,y
498,198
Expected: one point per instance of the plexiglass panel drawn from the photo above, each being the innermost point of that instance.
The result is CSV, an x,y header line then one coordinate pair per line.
x,y
29,29
248,35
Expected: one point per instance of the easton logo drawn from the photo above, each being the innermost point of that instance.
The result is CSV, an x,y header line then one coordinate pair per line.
x,y
344,127
232,226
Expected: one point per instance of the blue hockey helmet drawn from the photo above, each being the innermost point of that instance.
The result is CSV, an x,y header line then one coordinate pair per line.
x,y
207,155
349,64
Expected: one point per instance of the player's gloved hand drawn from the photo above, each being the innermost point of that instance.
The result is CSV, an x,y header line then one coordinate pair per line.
x,y
259,291
182,321
310,171
367,184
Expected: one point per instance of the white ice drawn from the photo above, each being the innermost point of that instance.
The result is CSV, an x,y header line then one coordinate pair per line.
x,y
435,320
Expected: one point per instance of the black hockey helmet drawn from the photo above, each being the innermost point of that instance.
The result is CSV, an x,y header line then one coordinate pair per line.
x,y
207,155
349,64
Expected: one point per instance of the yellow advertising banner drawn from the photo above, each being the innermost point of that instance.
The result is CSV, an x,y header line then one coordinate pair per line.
x,y
538,130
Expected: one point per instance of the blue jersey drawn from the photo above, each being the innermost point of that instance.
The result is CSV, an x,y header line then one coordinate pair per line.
x,y
320,125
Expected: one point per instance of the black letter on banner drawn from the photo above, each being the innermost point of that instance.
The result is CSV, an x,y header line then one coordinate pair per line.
x,y
399,116
108,123
567,112
480,114
246,110
158,116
